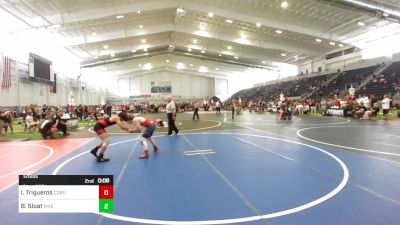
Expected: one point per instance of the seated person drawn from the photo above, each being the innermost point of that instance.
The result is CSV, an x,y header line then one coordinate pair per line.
x,y
30,122
47,129
58,123
359,111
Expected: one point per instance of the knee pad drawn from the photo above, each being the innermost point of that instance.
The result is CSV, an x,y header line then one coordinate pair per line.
x,y
143,142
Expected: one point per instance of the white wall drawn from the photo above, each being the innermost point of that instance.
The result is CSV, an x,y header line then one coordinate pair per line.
x,y
183,85
24,92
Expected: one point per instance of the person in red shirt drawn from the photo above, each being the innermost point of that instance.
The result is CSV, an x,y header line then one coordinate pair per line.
x,y
150,126
99,128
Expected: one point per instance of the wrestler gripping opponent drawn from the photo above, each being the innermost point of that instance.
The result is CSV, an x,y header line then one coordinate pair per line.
x,y
99,128
150,126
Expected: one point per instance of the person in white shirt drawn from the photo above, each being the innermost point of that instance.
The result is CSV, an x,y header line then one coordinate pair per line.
x,y
30,122
366,102
171,115
385,106
196,110
218,108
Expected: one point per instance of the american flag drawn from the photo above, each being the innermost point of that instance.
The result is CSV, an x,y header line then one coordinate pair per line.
x,y
6,83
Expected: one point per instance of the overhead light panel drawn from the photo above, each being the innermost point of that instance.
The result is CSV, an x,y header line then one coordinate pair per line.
x,y
243,36
258,24
278,31
318,40
361,24
229,47
96,57
236,57
216,68
194,41
210,14
229,21
120,16
189,49
145,49
94,33
180,10
105,46
140,26
284,4
332,43
134,50
263,62
283,54
138,12
143,41
340,45
167,60
112,55
202,51
191,64
219,54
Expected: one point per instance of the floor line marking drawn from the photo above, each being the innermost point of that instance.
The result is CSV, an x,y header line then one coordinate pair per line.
x,y
341,146
206,150
229,183
121,174
200,153
267,150
241,219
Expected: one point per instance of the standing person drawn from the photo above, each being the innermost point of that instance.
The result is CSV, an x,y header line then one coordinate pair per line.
x,y
233,109
218,108
150,125
385,106
99,128
8,122
2,119
171,114
196,110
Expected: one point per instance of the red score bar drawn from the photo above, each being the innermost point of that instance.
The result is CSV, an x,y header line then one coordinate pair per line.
x,y
106,191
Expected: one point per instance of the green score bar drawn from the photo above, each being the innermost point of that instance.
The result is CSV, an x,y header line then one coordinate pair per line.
x,y
66,193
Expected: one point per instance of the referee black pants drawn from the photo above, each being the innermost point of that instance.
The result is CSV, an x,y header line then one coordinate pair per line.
x,y
171,124
196,113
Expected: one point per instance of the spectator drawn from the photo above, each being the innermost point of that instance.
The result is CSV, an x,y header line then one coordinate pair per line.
x,y
385,106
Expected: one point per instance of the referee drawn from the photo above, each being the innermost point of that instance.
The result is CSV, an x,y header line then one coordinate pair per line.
x,y
171,114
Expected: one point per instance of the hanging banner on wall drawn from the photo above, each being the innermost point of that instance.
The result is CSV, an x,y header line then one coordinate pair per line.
x,y
161,87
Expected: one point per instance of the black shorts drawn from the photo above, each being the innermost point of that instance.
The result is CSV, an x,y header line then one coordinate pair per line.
x,y
385,111
99,129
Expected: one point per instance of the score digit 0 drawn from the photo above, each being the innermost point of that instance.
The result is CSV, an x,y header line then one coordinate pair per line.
x,y
106,192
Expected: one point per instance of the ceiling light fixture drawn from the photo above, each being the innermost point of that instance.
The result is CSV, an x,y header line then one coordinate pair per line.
x,y
258,24
219,54
263,62
318,40
143,41
140,26
145,49
243,36
284,4
167,60
94,33
120,16
216,68
189,49
138,12
112,55
332,43
361,24
210,14
105,46
229,21
190,64
96,57
236,57
283,54
180,10
278,31
194,41
340,45
134,50
202,51
229,47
